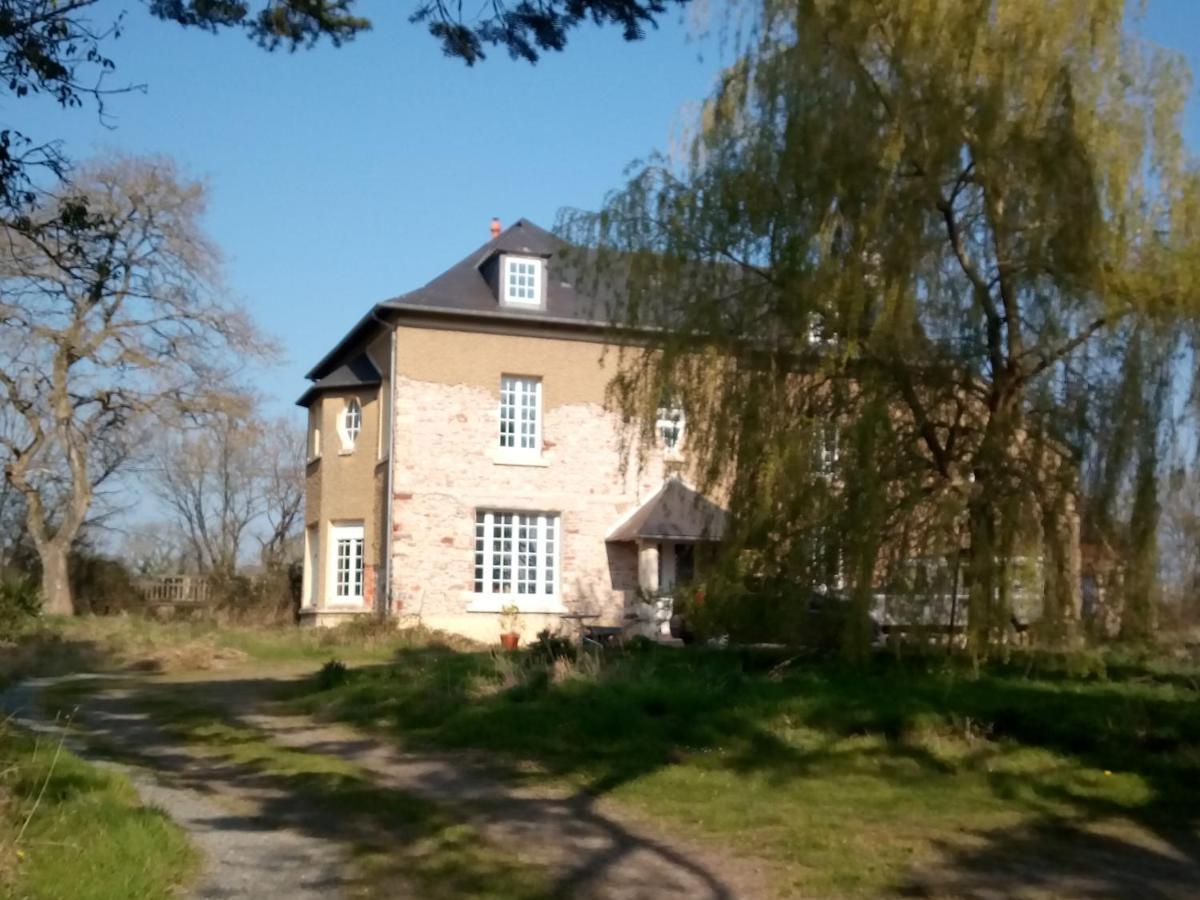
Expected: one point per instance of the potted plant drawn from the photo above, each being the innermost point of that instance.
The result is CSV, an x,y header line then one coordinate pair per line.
x,y
510,626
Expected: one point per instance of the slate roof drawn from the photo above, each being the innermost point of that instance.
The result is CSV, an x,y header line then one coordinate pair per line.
x,y
464,286
464,290
675,513
359,371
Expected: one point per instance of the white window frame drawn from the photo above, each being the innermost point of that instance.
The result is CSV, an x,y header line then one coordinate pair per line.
x,y
352,533
349,437
829,455
314,430
497,583
515,391
385,419
534,273
308,592
670,416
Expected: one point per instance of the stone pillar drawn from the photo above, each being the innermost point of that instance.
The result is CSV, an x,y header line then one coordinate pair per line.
x,y
647,567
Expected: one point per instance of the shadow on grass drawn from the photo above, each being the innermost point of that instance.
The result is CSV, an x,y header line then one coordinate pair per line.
x,y
649,710
548,846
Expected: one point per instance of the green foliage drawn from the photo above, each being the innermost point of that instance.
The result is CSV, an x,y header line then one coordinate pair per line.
x,y
102,585
87,835
20,603
936,224
333,674
550,647
769,611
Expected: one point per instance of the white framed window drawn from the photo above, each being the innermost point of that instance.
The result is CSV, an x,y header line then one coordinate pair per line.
x,y
516,553
670,425
350,423
346,559
385,419
521,413
314,430
826,453
522,281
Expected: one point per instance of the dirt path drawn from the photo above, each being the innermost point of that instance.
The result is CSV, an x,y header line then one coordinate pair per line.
x,y
590,848
243,852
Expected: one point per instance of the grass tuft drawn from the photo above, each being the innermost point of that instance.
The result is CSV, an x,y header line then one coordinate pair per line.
x,y
70,829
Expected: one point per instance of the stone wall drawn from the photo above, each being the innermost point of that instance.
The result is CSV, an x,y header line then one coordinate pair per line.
x,y
447,466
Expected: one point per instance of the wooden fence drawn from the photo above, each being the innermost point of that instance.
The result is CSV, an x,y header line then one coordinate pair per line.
x,y
175,590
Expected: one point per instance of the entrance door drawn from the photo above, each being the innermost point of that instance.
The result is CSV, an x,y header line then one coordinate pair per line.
x,y
676,564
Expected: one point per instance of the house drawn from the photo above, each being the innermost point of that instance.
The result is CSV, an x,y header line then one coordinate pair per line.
x,y
461,459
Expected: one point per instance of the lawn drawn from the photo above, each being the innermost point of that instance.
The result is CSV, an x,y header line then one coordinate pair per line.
x,y
70,829
898,777
57,646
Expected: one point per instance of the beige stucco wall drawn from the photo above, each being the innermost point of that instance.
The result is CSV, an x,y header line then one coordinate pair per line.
x,y
347,485
446,400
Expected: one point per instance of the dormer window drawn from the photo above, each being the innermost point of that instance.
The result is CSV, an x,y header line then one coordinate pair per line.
x,y
522,281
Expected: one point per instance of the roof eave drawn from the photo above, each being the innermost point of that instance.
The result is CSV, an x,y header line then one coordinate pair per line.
x,y
355,335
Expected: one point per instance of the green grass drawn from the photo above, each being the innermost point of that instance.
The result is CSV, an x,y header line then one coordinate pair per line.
x,y
87,837
56,646
400,842
850,780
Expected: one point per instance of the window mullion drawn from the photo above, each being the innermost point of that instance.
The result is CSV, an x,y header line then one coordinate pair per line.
x,y
539,556
486,581
537,415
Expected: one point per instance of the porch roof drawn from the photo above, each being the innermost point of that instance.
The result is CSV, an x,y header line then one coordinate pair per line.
x,y
675,512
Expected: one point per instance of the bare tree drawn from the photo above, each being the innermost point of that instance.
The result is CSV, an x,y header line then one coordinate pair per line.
x,y
233,479
210,480
154,548
282,453
113,324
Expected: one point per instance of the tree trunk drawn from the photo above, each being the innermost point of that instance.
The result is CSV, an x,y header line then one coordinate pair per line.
x,y
980,572
56,581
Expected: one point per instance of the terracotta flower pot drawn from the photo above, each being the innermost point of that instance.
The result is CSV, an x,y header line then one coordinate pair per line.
x,y
510,641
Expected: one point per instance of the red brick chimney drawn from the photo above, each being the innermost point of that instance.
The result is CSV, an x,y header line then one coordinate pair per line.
x,y
495,228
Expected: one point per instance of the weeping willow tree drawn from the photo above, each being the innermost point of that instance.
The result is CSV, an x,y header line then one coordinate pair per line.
x,y
922,222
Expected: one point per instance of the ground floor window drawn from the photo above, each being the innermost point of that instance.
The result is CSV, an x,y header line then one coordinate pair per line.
x,y
347,540
516,553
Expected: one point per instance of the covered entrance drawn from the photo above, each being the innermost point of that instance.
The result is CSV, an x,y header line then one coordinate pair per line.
x,y
674,531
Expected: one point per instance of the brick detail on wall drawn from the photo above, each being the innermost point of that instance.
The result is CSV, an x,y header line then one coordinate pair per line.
x,y
444,470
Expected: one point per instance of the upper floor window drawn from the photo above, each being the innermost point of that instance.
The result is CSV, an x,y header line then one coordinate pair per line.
x,y
670,425
520,413
350,425
828,451
314,430
522,281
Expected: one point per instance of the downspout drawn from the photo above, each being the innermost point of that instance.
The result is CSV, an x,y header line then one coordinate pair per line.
x,y
391,463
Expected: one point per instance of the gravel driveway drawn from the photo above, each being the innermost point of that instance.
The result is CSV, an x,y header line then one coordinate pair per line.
x,y
589,848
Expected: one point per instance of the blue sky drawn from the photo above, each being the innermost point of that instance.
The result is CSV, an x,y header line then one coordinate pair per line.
x,y
340,177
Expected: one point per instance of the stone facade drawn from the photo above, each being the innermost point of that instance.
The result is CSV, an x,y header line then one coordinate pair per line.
x,y
448,465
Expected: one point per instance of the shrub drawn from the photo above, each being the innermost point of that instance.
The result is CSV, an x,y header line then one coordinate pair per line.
x,y
102,585
20,602
265,599
333,674
550,647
